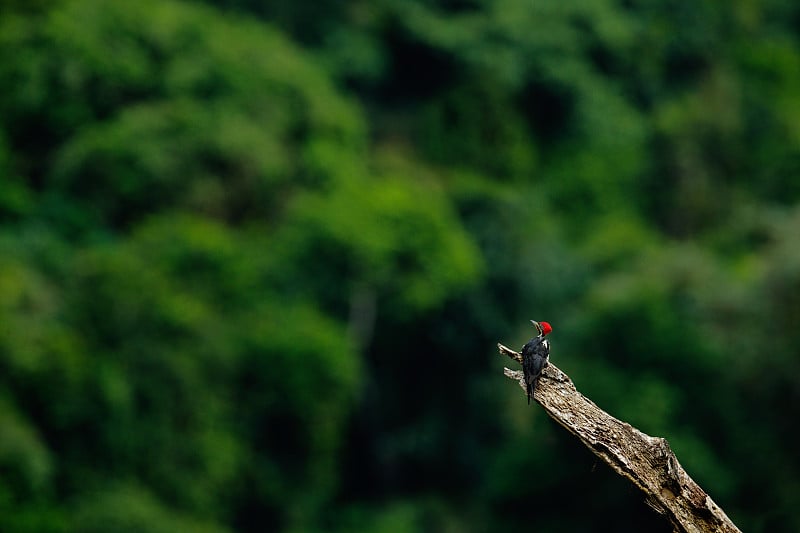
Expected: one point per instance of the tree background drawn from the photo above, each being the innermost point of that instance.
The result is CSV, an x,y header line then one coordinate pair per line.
x,y
255,256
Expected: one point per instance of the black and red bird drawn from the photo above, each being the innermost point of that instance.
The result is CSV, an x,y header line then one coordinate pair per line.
x,y
535,354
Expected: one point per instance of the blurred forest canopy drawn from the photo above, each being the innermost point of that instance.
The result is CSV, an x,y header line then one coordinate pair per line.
x,y
254,258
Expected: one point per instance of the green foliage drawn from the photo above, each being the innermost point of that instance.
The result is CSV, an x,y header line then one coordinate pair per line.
x,y
149,109
128,508
254,258
23,452
394,235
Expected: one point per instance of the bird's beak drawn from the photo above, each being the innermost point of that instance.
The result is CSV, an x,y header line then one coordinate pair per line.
x,y
537,326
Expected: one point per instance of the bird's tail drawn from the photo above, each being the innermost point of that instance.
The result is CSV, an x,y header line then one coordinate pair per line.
x,y
532,387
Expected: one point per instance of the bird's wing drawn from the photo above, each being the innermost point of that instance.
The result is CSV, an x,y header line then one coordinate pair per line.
x,y
539,362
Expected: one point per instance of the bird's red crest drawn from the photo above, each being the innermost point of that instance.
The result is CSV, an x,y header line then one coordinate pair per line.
x,y
546,328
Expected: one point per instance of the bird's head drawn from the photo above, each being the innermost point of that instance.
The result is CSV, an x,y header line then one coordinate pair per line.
x,y
542,327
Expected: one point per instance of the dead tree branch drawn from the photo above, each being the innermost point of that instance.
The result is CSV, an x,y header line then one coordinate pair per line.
x,y
647,461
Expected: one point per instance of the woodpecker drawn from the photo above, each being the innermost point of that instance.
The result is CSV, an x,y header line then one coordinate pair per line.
x,y
535,354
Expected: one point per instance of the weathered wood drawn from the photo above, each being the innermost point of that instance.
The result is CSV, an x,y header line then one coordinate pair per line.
x,y
647,461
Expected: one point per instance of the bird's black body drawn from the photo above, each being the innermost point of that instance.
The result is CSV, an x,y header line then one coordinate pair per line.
x,y
535,354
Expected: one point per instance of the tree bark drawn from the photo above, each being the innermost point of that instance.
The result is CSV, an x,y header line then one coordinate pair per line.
x,y
647,461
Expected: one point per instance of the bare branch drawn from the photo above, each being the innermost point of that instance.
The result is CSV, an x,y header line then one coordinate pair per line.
x,y
647,461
